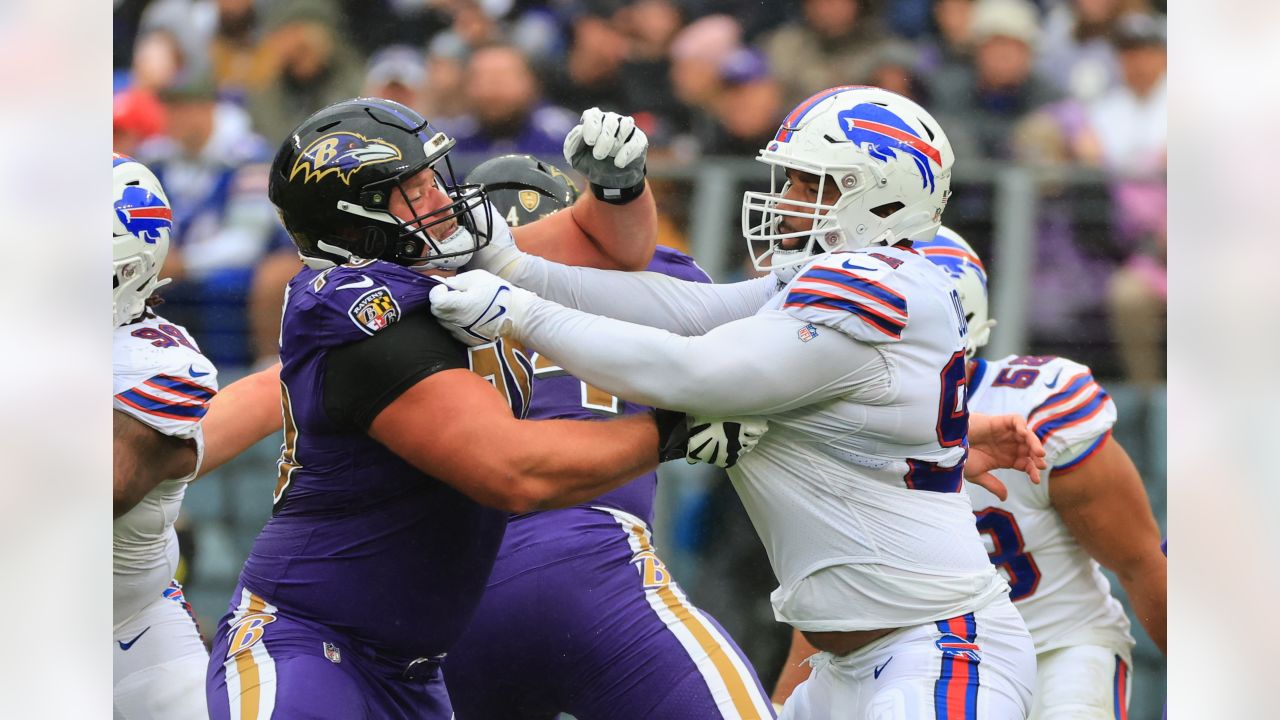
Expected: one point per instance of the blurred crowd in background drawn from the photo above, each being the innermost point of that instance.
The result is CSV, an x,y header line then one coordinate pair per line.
x,y
206,90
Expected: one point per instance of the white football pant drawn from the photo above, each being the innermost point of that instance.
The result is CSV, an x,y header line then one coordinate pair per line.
x,y
158,664
979,666
1084,682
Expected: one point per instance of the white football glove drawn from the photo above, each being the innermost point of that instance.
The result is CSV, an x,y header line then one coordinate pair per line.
x,y
501,251
723,442
477,307
608,149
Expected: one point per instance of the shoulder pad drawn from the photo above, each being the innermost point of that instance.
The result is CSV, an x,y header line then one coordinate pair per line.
x,y
852,293
342,304
166,386
1065,404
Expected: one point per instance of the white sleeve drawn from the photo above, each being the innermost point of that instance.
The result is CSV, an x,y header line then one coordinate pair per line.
x,y
646,298
763,364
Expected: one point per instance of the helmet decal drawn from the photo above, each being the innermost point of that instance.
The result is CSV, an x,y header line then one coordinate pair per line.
x,y
344,153
792,121
882,133
143,213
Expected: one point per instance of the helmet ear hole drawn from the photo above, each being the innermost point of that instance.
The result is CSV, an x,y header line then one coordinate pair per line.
x,y
887,209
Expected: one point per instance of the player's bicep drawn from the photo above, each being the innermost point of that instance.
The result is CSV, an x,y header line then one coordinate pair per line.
x,y
454,426
363,378
558,238
1104,505
143,457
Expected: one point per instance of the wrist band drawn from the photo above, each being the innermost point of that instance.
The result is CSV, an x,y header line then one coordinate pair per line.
x,y
616,196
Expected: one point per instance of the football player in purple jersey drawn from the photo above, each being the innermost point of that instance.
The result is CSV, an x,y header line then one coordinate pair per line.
x,y
580,614
403,451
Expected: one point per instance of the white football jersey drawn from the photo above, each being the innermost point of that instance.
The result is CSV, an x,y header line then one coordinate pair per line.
x,y
1059,589
162,380
860,500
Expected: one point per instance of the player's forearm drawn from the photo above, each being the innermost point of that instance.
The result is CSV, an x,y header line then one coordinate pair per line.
x,y
755,366
245,412
795,670
543,464
645,298
566,462
1147,586
627,234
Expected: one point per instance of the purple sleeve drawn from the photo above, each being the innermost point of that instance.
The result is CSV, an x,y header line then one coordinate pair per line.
x,y
670,261
352,302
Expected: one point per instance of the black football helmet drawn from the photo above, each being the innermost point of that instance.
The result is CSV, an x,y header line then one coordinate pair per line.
x,y
333,179
523,188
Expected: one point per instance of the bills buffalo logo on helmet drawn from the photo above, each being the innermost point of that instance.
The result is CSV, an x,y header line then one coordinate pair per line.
x,y
883,134
343,154
143,213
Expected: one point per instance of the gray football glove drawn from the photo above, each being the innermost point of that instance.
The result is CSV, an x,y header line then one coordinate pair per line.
x,y
608,149
723,442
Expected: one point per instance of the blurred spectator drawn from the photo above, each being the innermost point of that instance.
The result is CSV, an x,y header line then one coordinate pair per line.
x,y
443,96
136,115
951,44
397,73
590,75
1134,148
1134,113
506,113
650,26
894,68
755,17
214,169
238,64
157,60
1076,52
311,66
736,102
371,24
979,104
832,45
174,33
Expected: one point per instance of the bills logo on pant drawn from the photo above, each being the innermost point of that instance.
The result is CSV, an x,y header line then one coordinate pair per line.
x,y
954,645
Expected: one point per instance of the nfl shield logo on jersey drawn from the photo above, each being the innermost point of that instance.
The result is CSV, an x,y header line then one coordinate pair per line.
x,y
375,310
332,652
807,333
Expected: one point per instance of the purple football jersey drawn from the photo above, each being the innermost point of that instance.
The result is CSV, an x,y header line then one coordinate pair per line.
x,y
360,540
557,394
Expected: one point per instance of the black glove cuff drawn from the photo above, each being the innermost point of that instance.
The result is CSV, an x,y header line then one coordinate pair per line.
x,y
673,434
616,196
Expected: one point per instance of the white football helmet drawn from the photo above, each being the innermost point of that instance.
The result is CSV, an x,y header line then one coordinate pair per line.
x,y
887,156
950,252
140,240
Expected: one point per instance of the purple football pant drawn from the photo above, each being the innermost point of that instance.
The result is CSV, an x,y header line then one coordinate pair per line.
x,y
581,616
265,664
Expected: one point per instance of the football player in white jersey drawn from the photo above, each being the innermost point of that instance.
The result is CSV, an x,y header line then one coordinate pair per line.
x,y
1049,539
854,348
162,387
